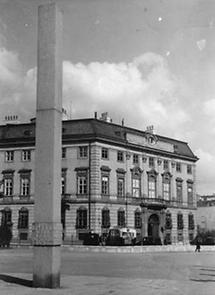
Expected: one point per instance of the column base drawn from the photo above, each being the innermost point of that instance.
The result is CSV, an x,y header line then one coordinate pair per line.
x,y
46,271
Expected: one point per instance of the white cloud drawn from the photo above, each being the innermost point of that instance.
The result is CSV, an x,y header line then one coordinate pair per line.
x,y
16,87
143,91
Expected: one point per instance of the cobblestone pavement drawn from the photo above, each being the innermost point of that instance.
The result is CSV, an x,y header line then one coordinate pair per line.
x,y
114,273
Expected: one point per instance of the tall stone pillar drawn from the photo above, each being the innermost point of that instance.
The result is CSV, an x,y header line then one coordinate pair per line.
x,y
47,232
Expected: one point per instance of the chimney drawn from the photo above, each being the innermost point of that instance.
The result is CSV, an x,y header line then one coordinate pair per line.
x,y
95,115
123,123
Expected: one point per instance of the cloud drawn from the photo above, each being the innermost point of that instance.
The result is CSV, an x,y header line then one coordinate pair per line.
x,y
205,173
17,89
143,91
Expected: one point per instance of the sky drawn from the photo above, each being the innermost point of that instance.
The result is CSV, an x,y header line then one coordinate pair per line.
x,y
149,62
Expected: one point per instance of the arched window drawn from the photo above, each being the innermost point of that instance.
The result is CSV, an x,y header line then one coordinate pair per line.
x,y
105,218
137,219
23,218
81,218
6,217
121,217
180,222
168,221
191,224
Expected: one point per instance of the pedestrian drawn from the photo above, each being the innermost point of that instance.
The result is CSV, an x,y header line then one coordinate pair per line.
x,y
198,243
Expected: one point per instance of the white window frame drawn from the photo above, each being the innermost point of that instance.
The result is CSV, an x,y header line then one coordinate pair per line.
x,y
9,156
83,152
26,155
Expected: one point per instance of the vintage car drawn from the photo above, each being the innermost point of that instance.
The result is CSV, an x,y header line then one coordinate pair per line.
x,y
121,237
91,239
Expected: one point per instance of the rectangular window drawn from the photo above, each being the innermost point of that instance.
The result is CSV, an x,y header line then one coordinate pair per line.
x,y
9,156
26,155
81,221
135,159
105,153
152,187
190,193
25,186
180,222
105,185
63,153
166,165
105,218
166,191
179,192
83,152
8,186
82,184
151,162
120,187
120,156
189,169
191,225
178,167
23,219
136,187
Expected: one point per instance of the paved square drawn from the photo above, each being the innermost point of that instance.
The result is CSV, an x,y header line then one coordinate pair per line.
x,y
114,273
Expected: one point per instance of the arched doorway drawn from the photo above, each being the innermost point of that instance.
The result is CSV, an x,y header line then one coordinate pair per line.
x,y
153,228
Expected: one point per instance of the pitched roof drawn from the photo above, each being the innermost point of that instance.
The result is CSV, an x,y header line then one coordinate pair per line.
x,y
91,129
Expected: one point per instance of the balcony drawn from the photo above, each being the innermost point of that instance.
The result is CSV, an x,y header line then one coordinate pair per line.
x,y
151,203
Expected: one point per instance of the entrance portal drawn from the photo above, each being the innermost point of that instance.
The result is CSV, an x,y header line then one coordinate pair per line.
x,y
153,229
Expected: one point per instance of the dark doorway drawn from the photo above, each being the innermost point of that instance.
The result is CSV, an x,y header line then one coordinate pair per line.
x,y
153,229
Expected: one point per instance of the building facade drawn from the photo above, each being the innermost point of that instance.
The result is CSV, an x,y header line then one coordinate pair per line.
x,y
112,175
205,215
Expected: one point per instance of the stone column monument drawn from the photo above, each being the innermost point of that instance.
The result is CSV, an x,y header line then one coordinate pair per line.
x,y
47,232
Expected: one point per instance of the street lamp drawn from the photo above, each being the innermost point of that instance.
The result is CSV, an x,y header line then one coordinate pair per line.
x,y
142,206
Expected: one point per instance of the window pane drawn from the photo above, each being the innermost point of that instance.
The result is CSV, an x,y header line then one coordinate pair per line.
x,y
82,184
120,187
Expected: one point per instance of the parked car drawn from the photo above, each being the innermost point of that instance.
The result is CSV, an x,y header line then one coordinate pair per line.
x,y
91,239
121,237
209,241
205,240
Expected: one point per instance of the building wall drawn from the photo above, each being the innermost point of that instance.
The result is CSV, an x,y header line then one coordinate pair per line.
x,y
94,163
206,218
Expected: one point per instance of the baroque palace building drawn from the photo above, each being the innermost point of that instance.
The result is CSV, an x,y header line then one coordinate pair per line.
x,y
112,175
